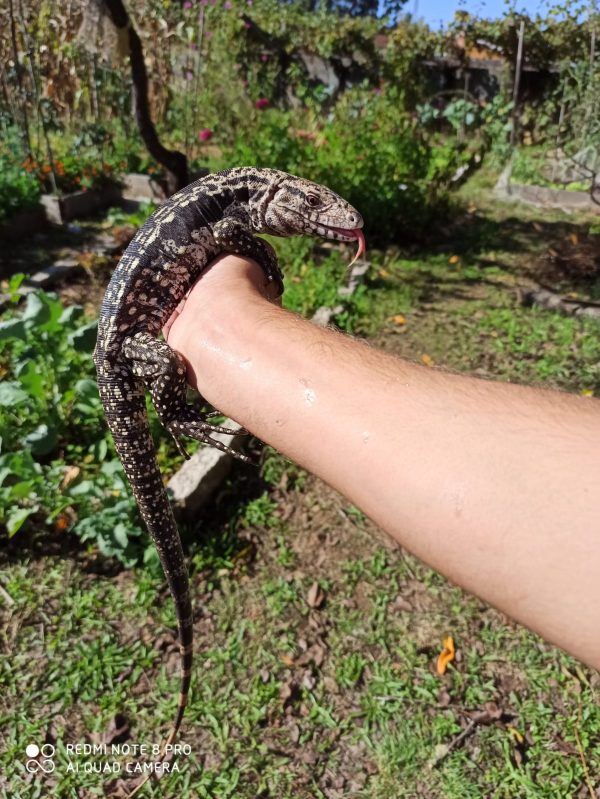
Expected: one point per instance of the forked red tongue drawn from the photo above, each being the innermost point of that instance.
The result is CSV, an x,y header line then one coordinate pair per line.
x,y
358,235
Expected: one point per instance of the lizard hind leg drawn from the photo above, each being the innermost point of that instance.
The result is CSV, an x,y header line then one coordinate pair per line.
x,y
164,374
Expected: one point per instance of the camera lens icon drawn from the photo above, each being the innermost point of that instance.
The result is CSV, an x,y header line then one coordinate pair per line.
x,y
40,758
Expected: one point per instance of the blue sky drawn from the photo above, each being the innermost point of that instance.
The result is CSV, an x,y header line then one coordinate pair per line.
x,y
435,12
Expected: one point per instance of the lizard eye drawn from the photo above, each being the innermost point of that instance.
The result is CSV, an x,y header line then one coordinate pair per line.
x,y
312,200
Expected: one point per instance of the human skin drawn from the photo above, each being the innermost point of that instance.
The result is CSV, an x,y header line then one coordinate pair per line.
x,y
497,486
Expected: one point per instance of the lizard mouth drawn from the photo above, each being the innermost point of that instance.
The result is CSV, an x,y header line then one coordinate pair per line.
x,y
346,234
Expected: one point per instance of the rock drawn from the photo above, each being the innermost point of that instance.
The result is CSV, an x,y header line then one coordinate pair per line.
x,y
143,188
194,484
322,315
357,274
51,274
104,244
78,203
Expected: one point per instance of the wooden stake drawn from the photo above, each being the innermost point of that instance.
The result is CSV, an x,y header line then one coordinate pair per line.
x,y
515,97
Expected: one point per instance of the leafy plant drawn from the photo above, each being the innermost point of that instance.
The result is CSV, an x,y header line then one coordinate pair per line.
x,y
19,189
118,216
56,461
46,348
371,152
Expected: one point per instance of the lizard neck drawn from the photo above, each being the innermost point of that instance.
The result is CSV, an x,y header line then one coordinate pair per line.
x,y
253,189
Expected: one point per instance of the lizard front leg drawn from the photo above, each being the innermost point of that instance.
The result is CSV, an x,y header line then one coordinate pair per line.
x,y
164,374
235,236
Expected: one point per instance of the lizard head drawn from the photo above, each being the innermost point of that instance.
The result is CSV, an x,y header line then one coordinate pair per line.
x,y
293,206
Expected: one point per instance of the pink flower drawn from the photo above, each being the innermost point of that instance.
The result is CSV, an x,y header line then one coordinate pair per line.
x,y
247,25
187,4
261,103
264,57
189,75
193,46
227,5
205,134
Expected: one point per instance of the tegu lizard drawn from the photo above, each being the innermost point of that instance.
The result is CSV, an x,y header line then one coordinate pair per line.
x,y
218,213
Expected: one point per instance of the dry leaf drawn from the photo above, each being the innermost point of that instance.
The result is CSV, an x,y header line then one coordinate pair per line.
x,y
383,273
70,474
308,680
398,319
401,604
491,712
294,731
516,735
587,392
427,359
287,660
443,698
315,596
286,691
454,259
573,238
446,656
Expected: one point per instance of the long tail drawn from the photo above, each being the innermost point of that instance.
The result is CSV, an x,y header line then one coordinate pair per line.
x,y
128,422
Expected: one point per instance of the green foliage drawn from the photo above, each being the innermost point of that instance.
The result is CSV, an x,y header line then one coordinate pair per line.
x,y
19,189
56,462
47,350
558,35
532,165
496,125
371,152
459,113
350,670
259,512
117,216
112,524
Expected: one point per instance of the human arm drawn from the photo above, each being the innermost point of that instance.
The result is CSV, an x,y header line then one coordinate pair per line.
x,y
494,485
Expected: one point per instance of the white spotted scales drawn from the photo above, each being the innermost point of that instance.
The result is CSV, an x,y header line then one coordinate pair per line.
x,y
219,213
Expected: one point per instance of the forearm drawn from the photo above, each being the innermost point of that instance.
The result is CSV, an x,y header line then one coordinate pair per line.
x,y
494,485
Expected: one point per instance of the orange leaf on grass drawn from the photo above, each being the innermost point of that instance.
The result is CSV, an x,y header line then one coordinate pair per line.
x,y
427,359
446,656
398,319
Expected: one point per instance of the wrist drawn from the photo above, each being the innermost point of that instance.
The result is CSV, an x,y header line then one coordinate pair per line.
x,y
224,306
229,289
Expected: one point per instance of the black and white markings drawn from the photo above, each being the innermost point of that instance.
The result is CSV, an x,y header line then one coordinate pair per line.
x,y
219,213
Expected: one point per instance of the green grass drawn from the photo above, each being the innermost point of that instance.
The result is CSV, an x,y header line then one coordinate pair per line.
x,y
292,701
